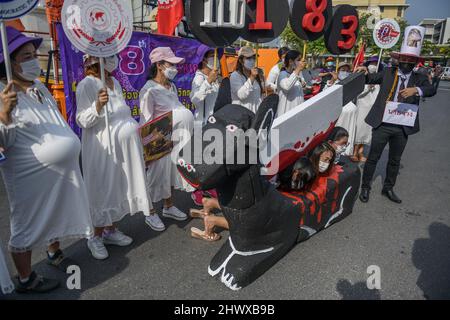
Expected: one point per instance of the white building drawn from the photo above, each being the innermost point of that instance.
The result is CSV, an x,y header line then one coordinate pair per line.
x,y
437,30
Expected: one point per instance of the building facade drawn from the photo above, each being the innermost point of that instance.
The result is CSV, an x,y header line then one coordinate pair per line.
x,y
437,31
386,8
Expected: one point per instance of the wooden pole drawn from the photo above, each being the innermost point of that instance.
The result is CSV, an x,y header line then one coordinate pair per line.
x,y
102,76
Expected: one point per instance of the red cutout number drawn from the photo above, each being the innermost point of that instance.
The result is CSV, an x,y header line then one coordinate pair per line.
x,y
349,33
261,23
314,20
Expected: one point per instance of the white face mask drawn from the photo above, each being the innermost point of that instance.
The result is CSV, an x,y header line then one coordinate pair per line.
x,y
170,73
210,63
249,64
341,149
323,166
343,74
372,68
30,70
111,63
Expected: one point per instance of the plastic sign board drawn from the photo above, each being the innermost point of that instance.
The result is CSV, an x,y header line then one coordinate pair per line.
x,y
101,28
13,9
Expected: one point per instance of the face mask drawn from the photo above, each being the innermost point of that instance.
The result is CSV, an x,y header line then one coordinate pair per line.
x,y
170,73
372,68
406,67
330,64
111,63
210,63
249,64
30,70
341,149
343,74
323,166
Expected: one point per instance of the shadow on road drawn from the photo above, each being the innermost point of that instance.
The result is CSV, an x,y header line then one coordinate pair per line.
x,y
94,272
432,257
358,291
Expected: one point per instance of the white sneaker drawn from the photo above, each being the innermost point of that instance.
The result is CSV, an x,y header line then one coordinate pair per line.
x,y
116,238
174,213
97,248
154,222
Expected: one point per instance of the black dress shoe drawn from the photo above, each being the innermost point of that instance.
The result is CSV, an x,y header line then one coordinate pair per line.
x,y
364,195
390,194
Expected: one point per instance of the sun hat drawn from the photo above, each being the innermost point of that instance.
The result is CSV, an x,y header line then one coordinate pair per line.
x,y
16,39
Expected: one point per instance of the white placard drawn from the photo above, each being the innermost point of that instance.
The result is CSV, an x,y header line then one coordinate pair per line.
x,y
386,33
101,28
13,9
403,114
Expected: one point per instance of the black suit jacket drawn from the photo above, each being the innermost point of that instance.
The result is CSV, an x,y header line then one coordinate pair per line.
x,y
386,79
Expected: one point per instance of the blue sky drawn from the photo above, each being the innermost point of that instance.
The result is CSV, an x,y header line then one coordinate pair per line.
x,y
420,9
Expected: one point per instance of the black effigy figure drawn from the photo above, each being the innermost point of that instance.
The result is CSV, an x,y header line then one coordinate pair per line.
x,y
264,223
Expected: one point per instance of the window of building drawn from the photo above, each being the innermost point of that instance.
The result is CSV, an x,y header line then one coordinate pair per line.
x,y
399,12
381,8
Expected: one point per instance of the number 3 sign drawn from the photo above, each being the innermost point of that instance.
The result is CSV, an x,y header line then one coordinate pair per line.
x,y
219,23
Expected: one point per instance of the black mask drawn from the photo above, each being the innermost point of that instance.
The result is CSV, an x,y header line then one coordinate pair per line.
x,y
406,67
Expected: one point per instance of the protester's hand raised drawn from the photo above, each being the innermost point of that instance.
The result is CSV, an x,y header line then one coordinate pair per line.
x,y
254,74
102,99
213,75
8,100
362,69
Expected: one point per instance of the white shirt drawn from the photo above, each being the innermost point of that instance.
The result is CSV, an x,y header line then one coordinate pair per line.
x,y
272,79
244,92
203,96
406,77
290,91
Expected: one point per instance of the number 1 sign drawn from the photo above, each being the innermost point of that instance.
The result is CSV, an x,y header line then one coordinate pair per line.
x,y
219,23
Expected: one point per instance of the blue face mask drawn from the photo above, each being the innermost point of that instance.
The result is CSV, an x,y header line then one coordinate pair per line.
x,y
330,64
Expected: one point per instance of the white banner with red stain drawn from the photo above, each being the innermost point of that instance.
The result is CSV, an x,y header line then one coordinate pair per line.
x,y
101,28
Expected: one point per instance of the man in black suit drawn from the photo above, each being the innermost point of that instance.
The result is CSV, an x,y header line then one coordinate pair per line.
x,y
411,86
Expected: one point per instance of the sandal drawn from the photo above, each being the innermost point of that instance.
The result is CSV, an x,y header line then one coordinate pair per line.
x,y
59,261
36,284
200,234
197,214
354,158
362,159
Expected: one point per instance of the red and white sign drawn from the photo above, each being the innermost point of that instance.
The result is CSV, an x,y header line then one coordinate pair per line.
x,y
101,28
386,33
170,13
403,114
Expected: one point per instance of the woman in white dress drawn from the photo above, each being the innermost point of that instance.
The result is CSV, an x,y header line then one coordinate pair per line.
x,y
246,82
272,78
347,120
46,192
157,97
115,181
366,99
291,83
205,87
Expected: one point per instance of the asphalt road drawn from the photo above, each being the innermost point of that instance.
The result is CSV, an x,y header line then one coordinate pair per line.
x,y
409,242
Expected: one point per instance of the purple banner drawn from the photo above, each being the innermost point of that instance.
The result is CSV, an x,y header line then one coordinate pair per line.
x,y
134,65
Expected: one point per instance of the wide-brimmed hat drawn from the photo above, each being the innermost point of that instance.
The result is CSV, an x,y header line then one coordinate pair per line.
x,y
16,39
411,46
372,59
164,54
344,64
246,52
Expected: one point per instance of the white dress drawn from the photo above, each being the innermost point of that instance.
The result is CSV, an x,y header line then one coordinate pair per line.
x,y
364,104
115,183
290,91
47,195
203,96
6,285
347,120
244,93
162,174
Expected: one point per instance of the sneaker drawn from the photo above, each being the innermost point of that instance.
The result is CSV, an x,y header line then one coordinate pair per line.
x,y
97,248
116,238
59,261
154,222
174,213
36,284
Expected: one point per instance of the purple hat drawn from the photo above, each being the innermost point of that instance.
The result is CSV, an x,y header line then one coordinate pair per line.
x,y
16,39
371,60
